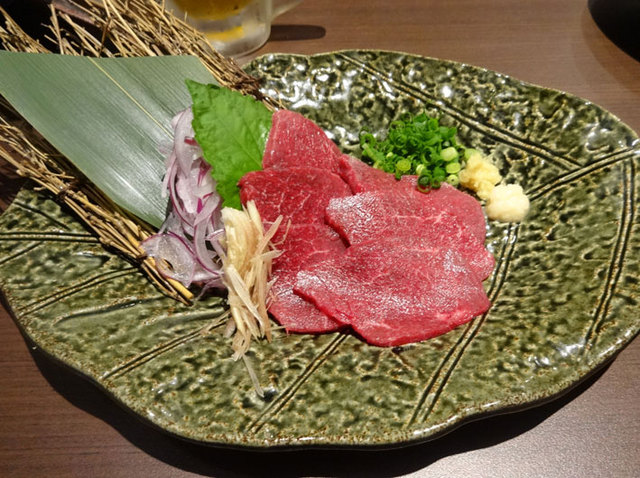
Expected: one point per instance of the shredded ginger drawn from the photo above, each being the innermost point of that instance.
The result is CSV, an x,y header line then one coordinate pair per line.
x,y
246,271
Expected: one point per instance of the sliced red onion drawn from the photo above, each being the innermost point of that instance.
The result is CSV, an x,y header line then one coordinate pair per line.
x,y
177,257
187,247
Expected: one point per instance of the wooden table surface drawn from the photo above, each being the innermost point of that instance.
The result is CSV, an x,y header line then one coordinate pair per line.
x,y
53,423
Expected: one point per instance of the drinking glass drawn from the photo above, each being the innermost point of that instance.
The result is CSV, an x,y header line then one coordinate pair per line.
x,y
234,27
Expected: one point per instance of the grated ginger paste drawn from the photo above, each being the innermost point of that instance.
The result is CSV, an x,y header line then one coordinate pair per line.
x,y
480,175
507,203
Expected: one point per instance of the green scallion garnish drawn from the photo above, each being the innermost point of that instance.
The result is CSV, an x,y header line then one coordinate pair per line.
x,y
416,145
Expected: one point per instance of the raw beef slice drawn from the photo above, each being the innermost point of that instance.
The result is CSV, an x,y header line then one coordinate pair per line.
x,y
297,141
363,178
392,293
303,246
300,195
379,215
454,201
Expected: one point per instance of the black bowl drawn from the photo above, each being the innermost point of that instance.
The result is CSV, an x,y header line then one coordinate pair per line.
x,y
620,21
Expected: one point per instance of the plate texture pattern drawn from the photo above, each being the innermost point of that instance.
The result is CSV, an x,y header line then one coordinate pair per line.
x,y
564,289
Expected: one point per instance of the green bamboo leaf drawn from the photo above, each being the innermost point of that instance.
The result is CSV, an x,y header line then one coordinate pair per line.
x,y
109,116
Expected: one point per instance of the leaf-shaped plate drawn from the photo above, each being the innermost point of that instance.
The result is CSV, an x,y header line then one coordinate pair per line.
x,y
564,289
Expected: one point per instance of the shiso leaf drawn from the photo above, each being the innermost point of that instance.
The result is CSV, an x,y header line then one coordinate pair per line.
x,y
232,130
109,116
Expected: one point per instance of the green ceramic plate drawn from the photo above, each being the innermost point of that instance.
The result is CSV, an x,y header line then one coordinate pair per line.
x,y
564,290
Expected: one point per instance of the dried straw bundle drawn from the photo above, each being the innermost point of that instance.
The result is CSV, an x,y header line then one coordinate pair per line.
x,y
108,28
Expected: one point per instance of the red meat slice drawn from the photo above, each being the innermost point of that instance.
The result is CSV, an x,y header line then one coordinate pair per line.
x,y
379,215
362,178
297,141
301,195
453,201
393,293
304,246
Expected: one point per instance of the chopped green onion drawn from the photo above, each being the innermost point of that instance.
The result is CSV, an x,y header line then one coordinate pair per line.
x,y
453,167
417,145
424,181
449,154
403,166
453,180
